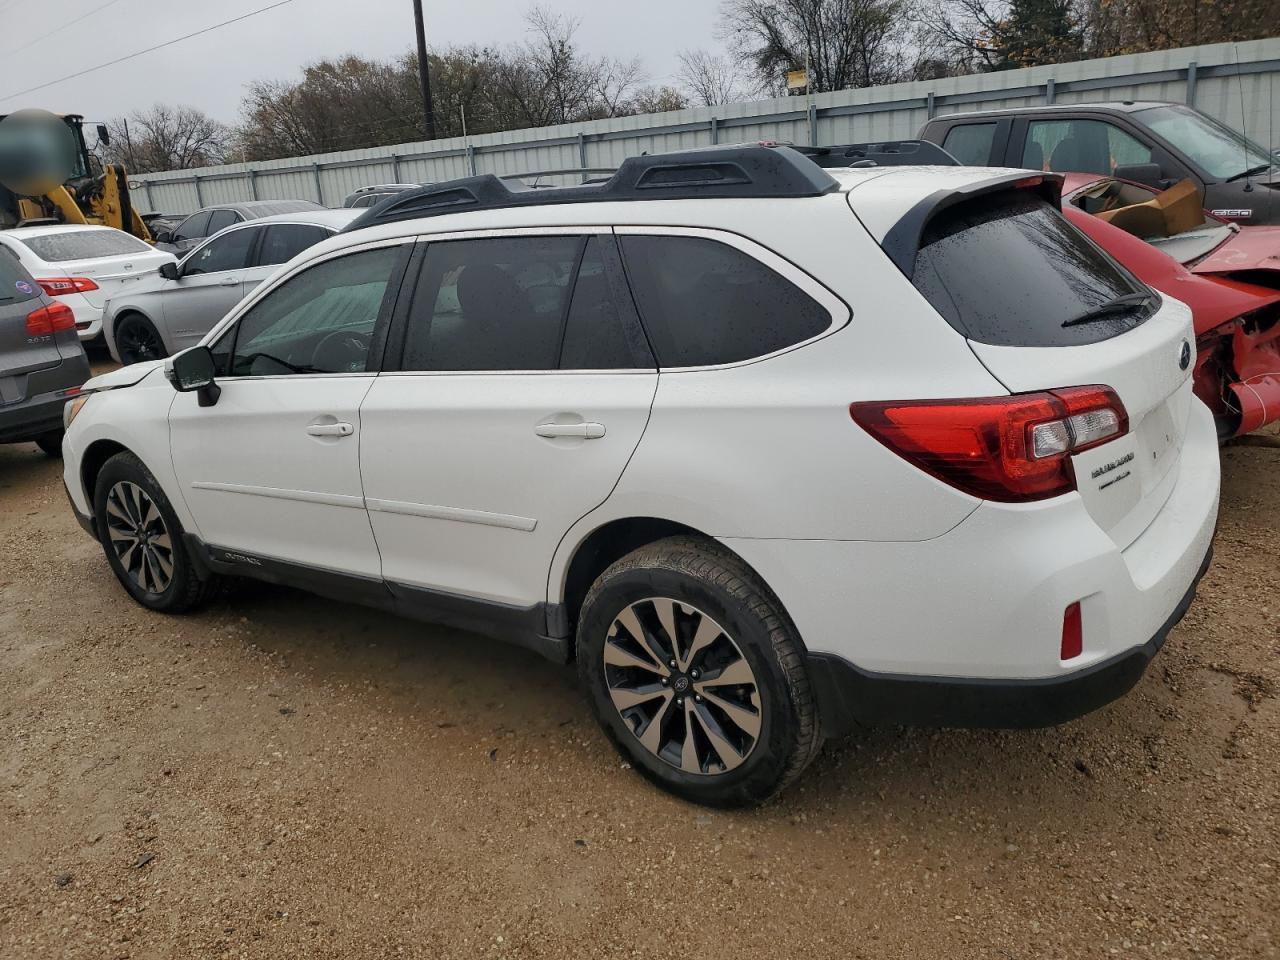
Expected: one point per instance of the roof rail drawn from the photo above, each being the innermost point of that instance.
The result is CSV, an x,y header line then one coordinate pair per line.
x,y
889,153
711,172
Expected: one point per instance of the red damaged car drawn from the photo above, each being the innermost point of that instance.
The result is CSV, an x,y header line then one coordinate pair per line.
x,y
1228,274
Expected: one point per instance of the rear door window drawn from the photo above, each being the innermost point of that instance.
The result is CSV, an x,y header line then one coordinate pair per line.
x,y
220,220
705,303
970,143
1009,270
492,304
595,337
284,241
1080,146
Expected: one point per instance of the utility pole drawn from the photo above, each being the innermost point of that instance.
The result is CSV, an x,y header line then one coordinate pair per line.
x,y
428,114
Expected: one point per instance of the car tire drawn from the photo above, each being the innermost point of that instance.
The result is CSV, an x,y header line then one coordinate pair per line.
x,y
138,340
143,539
722,744
51,444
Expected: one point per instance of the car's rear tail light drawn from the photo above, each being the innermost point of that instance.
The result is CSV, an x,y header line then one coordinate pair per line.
x,y
60,286
49,320
1072,634
1011,449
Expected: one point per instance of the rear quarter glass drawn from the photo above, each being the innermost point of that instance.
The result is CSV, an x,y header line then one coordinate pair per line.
x,y
1009,270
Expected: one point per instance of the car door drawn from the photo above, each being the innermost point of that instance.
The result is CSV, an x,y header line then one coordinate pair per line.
x,y
210,282
271,470
280,243
523,387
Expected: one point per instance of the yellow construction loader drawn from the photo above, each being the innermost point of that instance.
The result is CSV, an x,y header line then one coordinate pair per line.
x,y
91,194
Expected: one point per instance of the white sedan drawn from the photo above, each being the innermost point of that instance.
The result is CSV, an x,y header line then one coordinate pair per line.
x,y
83,266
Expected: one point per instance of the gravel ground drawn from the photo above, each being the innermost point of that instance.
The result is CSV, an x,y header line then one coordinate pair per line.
x,y
284,776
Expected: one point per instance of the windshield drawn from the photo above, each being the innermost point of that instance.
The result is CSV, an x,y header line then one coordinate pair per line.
x,y
1216,149
84,245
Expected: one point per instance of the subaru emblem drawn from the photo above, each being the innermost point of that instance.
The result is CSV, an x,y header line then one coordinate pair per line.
x,y
1184,355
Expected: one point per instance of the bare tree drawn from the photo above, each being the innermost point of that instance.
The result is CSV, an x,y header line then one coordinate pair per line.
x,y
712,79
168,138
846,43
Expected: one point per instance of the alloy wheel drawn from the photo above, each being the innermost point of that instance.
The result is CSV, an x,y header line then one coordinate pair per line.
x,y
682,686
139,537
139,343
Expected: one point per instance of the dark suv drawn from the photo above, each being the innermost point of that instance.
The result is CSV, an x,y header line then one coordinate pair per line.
x,y
41,360
1154,143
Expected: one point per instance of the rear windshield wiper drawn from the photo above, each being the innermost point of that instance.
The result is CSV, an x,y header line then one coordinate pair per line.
x,y
1120,304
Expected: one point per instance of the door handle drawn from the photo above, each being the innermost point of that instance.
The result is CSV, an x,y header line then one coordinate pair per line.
x,y
229,282
330,429
584,431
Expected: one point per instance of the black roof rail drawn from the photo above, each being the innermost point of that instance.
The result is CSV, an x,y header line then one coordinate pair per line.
x,y
755,171
888,153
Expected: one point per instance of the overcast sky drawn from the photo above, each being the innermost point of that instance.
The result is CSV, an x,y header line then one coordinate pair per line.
x,y
210,71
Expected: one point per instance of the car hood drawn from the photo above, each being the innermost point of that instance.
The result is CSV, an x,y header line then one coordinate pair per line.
x,y
1214,300
124,376
1251,249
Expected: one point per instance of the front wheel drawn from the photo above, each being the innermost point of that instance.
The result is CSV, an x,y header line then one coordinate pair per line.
x,y
137,340
143,539
696,673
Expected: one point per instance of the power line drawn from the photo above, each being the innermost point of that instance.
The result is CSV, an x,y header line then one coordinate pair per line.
x,y
60,27
158,46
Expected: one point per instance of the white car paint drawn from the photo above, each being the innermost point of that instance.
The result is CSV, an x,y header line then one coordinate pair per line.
x,y
443,482
114,274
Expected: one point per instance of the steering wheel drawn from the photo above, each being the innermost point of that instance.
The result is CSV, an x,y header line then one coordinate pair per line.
x,y
341,351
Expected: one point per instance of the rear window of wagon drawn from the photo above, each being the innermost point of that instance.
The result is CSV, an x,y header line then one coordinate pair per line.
x,y
1008,269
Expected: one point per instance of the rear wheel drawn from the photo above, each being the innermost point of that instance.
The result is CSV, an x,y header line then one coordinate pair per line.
x,y
143,539
696,673
138,340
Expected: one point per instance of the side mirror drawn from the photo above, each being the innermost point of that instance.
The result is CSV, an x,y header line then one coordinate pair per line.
x,y
164,236
104,135
1148,174
169,270
194,370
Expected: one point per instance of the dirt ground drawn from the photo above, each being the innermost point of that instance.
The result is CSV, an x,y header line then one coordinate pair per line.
x,y
284,776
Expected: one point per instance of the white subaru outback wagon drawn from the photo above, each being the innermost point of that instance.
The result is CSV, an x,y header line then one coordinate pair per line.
x,y
769,450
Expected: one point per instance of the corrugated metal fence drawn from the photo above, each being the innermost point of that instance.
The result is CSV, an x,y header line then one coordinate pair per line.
x,y
1233,82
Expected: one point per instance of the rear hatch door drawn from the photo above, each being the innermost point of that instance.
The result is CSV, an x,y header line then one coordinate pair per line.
x,y
1043,307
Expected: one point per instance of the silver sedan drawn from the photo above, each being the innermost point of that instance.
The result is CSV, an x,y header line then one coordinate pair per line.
x,y
176,309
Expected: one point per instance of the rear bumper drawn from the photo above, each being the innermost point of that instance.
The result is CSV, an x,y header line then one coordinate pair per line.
x,y
32,419
966,628
848,697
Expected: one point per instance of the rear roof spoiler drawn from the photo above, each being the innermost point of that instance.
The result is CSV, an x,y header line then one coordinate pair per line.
x,y
888,153
902,242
